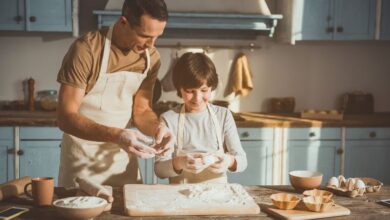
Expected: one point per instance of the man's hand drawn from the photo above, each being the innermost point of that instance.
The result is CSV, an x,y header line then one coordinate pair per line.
x,y
133,141
163,140
225,161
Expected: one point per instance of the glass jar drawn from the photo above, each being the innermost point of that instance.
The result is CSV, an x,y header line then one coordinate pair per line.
x,y
48,99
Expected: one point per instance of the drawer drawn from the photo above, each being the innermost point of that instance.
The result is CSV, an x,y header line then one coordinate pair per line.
x,y
314,134
256,133
6,133
40,133
367,133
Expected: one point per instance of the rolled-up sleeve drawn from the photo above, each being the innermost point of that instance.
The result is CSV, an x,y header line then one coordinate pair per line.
x,y
233,143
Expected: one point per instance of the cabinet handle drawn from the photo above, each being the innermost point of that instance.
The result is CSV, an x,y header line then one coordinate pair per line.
x,y
340,151
20,152
312,134
18,19
245,134
339,29
33,19
372,134
329,30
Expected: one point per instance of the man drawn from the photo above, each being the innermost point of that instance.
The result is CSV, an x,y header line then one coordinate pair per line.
x,y
107,78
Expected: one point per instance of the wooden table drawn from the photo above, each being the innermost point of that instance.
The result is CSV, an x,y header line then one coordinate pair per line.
x,y
365,207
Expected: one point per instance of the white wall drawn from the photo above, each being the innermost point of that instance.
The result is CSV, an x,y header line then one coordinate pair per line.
x,y
315,73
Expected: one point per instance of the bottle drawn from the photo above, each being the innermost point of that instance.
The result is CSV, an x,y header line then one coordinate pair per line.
x,y
31,87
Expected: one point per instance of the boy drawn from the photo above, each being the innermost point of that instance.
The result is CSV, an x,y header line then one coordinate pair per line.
x,y
207,143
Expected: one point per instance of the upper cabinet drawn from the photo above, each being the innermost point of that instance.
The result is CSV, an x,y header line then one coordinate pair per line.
x,y
385,20
327,20
36,15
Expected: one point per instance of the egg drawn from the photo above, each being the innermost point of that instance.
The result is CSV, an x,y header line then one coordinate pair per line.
x,y
359,184
333,181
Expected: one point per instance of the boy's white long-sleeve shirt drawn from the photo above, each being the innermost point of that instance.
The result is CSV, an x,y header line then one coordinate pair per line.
x,y
200,136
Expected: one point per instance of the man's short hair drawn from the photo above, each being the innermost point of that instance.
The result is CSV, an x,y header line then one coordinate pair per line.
x,y
132,10
192,70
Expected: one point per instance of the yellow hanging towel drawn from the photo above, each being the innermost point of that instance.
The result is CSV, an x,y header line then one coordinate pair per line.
x,y
241,78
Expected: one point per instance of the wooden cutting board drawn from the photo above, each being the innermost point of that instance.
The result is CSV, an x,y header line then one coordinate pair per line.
x,y
301,212
188,199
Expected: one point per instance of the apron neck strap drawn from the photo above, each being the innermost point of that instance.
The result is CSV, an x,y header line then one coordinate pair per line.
x,y
180,130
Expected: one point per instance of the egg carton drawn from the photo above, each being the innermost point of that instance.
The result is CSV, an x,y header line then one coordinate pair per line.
x,y
353,187
372,185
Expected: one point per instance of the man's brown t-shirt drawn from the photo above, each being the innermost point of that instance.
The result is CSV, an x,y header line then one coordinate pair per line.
x,y
81,65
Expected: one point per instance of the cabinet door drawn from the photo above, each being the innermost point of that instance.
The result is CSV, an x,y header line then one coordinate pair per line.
x,y
49,15
40,158
385,20
12,15
6,161
355,19
259,170
318,155
314,20
368,158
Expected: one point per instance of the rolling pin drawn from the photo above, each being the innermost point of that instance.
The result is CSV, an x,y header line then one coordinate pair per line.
x,y
94,189
13,187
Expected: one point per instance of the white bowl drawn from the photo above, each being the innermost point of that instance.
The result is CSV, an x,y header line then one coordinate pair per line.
x,y
80,207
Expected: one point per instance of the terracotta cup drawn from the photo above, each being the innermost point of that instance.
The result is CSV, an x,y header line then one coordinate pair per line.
x,y
42,190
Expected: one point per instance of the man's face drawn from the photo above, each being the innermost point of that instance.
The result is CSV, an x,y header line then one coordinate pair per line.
x,y
142,37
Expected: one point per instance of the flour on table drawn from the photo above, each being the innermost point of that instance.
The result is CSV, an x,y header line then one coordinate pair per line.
x,y
190,196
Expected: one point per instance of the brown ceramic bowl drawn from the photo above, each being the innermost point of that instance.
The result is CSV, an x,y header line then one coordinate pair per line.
x,y
87,207
304,179
284,200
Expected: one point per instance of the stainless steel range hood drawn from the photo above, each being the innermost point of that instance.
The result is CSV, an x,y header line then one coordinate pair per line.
x,y
221,19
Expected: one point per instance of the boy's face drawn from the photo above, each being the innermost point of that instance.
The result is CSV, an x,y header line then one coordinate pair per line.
x,y
196,99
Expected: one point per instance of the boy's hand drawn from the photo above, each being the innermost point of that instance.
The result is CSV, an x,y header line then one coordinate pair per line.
x,y
225,161
192,163
164,141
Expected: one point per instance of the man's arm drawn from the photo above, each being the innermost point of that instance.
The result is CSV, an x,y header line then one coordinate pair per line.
x,y
72,122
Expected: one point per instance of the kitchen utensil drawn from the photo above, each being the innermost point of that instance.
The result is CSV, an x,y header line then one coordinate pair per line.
x,y
301,212
188,199
304,179
282,105
317,203
322,114
284,200
48,99
316,192
31,87
42,190
80,207
13,187
358,103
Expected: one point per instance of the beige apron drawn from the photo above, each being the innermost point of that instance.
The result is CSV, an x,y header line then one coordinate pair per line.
x,y
205,175
109,103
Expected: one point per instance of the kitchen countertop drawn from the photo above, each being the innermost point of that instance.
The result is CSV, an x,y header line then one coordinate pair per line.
x,y
365,207
243,119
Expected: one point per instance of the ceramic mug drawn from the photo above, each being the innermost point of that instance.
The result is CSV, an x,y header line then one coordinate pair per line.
x,y
42,190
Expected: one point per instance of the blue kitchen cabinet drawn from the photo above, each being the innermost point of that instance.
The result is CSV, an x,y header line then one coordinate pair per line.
x,y
36,15
385,20
367,153
6,154
335,20
258,146
39,153
315,149
12,15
